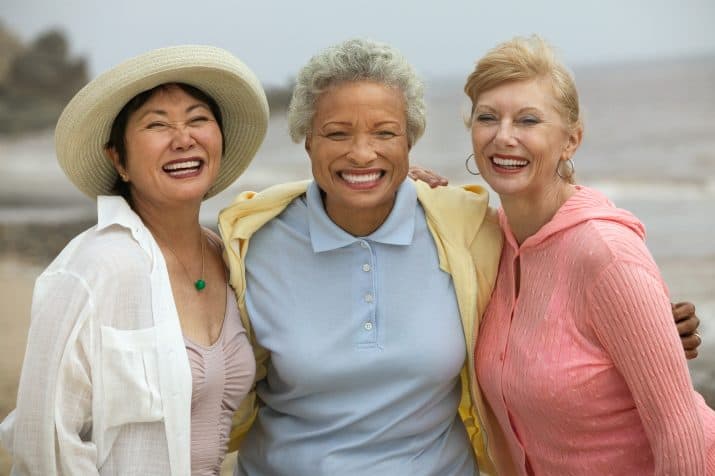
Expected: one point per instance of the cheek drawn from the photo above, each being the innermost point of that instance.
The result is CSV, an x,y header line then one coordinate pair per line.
x,y
400,157
213,141
478,139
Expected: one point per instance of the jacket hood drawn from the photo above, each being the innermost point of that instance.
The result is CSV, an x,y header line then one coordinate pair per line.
x,y
584,205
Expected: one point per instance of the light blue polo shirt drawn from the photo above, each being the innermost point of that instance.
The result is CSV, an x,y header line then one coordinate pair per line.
x,y
366,348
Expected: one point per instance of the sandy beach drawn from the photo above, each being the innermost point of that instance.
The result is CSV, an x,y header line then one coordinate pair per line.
x,y
650,146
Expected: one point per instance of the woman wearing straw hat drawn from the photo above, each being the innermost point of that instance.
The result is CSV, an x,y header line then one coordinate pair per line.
x,y
136,356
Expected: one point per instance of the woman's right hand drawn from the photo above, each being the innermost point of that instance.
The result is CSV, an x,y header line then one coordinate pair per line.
x,y
430,177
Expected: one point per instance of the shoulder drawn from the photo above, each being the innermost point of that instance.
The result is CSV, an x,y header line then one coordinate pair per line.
x,y
96,255
604,241
275,196
471,196
598,253
251,211
459,211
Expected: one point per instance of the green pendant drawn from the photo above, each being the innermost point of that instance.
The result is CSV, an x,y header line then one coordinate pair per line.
x,y
200,284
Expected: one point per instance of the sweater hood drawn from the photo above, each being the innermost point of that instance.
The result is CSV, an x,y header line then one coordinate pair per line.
x,y
584,205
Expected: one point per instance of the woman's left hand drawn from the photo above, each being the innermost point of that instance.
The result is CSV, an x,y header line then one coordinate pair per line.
x,y
430,177
687,323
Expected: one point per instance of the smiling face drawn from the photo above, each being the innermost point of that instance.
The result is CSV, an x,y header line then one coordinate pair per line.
x,y
519,137
359,150
173,149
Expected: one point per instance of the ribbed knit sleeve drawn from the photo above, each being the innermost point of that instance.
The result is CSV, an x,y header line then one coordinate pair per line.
x,y
631,316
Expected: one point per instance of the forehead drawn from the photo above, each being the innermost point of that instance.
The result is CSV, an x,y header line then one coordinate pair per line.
x,y
361,97
169,97
536,93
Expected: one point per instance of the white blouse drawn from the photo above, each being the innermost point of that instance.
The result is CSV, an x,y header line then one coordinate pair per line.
x,y
106,383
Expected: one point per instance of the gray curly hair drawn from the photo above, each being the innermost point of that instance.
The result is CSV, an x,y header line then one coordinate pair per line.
x,y
355,60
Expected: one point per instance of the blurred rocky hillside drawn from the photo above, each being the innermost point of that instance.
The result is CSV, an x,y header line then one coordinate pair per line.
x,y
36,80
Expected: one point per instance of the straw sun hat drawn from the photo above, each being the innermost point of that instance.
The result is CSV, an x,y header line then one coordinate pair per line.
x,y
84,126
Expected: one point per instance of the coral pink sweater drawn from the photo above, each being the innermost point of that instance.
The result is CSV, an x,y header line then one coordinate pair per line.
x,y
583,368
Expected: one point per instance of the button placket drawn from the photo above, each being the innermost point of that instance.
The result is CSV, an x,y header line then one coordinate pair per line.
x,y
367,294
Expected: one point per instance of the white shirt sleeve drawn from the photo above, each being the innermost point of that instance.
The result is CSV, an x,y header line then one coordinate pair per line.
x,y
52,424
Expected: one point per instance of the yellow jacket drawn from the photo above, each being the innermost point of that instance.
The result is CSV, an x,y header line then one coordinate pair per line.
x,y
468,240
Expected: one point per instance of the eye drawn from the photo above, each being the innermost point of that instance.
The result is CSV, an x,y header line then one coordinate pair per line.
x,y
199,120
529,120
337,135
385,134
485,118
157,125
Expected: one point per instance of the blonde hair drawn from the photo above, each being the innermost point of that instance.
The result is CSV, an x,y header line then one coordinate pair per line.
x,y
356,60
520,59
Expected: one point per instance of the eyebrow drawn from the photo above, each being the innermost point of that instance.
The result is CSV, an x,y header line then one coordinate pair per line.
x,y
162,112
520,111
382,123
348,123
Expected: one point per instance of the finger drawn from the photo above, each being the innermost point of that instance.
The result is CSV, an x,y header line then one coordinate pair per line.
x,y
420,173
688,326
691,354
683,310
691,342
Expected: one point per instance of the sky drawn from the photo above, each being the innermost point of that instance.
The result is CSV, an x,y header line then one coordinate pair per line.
x,y
442,38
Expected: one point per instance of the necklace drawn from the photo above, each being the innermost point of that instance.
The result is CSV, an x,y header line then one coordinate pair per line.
x,y
199,284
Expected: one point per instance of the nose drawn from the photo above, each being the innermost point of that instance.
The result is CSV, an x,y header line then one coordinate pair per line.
x,y
181,137
362,149
505,135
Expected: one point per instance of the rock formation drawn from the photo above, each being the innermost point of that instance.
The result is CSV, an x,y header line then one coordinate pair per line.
x,y
36,80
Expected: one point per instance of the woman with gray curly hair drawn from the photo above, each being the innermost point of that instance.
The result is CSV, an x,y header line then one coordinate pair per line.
x,y
359,288
356,60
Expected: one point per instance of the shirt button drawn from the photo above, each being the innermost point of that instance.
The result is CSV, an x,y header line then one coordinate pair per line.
x,y
366,267
363,244
368,326
369,297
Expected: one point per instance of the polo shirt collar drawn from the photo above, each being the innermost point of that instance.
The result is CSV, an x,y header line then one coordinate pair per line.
x,y
398,229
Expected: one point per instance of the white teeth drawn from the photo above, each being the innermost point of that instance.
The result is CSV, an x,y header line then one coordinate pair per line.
x,y
189,164
509,162
360,178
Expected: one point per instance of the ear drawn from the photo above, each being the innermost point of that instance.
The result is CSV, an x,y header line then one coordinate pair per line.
x,y
113,157
575,136
308,140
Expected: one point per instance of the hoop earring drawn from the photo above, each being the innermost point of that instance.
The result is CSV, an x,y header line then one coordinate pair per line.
x,y
470,157
572,169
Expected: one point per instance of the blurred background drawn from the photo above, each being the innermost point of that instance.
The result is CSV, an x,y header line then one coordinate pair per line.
x,y
645,71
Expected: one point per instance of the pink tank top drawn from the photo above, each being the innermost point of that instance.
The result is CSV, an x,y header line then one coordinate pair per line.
x,y
222,375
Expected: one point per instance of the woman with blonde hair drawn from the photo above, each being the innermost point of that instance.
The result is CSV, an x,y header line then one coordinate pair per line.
x,y
577,356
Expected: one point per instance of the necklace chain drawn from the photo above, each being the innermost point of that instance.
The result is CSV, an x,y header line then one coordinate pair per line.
x,y
199,284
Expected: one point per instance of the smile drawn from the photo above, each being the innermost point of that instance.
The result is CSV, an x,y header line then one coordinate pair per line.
x,y
182,168
363,179
509,163
360,178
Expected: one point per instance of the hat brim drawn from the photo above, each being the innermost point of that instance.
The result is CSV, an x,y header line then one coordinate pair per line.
x,y
84,126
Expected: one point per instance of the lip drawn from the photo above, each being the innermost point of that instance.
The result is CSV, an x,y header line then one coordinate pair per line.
x,y
173,170
508,157
362,179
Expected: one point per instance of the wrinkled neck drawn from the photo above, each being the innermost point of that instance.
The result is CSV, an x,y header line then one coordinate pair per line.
x,y
527,215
